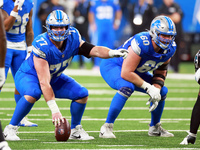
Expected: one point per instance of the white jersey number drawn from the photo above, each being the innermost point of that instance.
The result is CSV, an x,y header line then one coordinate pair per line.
x,y
19,26
149,65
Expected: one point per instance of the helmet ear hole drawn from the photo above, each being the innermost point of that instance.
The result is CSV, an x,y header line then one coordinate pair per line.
x,y
58,18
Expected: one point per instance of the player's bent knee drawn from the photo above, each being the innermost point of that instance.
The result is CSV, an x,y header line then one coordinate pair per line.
x,y
125,91
35,93
164,91
81,94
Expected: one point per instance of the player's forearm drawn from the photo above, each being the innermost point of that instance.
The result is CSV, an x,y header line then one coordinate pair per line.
x,y
100,51
29,37
9,21
47,92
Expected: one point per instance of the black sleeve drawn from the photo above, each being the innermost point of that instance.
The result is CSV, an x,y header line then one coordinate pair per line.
x,y
85,49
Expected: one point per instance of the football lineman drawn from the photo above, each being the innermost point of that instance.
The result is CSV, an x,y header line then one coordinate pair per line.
x,y
42,73
195,119
17,16
148,51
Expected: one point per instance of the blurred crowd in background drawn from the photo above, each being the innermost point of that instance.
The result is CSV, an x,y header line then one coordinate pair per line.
x,y
111,22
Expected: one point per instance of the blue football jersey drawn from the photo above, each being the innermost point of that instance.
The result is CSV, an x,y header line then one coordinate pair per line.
x,y
17,32
58,61
104,11
150,60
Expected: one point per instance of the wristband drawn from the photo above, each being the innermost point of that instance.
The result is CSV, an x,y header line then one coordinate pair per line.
x,y
29,49
53,106
117,22
14,14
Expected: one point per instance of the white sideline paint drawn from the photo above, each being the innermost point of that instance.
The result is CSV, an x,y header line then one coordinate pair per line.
x,y
133,98
106,108
112,92
119,119
85,72
50,132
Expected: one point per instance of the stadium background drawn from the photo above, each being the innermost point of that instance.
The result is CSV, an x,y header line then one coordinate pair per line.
x,y
190,23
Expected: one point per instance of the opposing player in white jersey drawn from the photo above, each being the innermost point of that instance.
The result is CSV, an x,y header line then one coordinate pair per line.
x,y
18,25
42,73
148,51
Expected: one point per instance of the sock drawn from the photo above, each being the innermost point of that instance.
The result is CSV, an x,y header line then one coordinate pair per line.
x,y
22,108
116,106
195,119
17,98
157,113
77,110
1,134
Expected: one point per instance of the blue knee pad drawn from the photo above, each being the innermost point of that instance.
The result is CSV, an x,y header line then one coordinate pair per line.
x,y
125,91
164,92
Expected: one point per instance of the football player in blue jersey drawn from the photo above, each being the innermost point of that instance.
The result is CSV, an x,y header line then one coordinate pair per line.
x,y
17,16
104,18
3,143
42,73
148,51
195,119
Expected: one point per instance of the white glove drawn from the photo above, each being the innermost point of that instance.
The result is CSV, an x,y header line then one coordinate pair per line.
x,y
118,53
197,75
29,50
19,3
154,105
153,91
2,76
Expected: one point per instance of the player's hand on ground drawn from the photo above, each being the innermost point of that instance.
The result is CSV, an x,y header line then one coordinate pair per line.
x,y
57,118
118,53
2,76
19,3
154,104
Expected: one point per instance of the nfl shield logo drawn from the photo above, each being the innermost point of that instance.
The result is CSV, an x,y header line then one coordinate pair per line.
x,y
63,56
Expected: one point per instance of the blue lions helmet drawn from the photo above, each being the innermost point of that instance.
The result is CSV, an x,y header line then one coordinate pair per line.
x,y
162,25
57,18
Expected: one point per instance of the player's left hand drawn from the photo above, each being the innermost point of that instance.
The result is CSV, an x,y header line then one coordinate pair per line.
x,y
154,105
19,3
118,53
2,76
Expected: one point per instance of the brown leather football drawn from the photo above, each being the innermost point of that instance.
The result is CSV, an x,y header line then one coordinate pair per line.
x,y
63,131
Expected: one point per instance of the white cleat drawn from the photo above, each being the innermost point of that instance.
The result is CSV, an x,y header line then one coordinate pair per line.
x,y
25,123
4,146
157,130
106,131
78,133
190,138
10,133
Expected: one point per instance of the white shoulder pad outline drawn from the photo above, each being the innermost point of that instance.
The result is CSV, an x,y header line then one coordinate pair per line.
x,y
135,47
39,52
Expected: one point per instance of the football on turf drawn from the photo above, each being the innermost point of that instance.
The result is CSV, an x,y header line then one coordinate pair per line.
x,y
63,131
